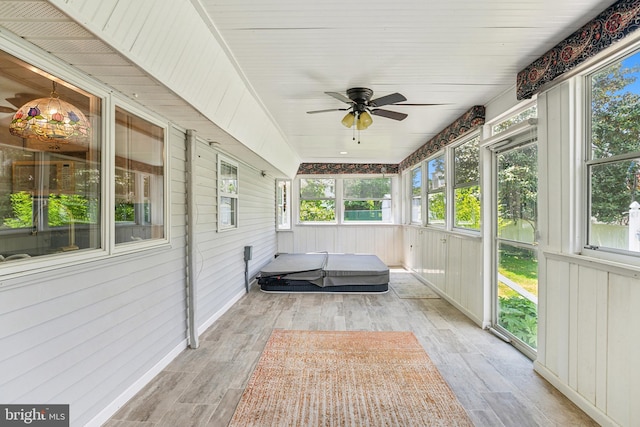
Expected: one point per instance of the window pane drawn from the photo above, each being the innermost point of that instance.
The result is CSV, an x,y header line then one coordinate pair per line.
x,y
283,207
435,176
317,188
368,199
531,112
615,131
416,194
436,209
367,188
615,112
467,208
228,178
139,179
615,219
466,161
317,210
228,211
49,171
518,194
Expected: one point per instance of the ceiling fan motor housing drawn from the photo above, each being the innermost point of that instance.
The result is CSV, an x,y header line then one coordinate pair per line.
x,y
360,96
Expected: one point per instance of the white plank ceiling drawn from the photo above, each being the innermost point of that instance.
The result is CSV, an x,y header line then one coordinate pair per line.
x,y
457,53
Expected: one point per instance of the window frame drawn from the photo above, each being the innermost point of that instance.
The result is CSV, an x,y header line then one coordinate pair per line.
x,y
123,104
54,69
427,192
336,207
284,205
339,199
584,82
421,219
344,199
467,184
224,194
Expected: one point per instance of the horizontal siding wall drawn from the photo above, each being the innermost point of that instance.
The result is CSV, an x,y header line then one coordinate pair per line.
x,y
83,335
220,255
381,240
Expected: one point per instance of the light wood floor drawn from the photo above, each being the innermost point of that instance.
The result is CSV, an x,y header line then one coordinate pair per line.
x,y
494,382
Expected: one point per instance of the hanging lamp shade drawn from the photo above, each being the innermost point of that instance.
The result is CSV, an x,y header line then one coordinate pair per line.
x,y
364,121
50,119
348,120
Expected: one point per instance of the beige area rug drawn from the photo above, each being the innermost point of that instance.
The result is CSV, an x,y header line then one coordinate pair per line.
x,y
322,378
406,286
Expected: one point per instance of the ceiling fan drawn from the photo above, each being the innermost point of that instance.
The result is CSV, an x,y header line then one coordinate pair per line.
x,y
361,106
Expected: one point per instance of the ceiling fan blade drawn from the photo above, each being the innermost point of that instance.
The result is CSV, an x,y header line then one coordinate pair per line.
x,y
8,110
387,99
330,109
389,114
340,97
419,105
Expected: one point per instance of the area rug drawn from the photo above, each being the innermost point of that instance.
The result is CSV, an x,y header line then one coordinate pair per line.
x,y
353,378
406,286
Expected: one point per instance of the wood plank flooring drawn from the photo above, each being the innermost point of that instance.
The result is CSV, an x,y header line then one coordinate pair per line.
x,y
494,382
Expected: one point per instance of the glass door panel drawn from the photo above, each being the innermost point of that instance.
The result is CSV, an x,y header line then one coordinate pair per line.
x,y
516,279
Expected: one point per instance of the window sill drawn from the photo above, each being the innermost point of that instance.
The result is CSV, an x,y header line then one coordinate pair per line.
x,y
585,260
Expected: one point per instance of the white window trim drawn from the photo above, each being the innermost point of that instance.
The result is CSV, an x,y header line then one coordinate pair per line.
x,y
581,185
452,188
339,199
409,193
288,202
220,194
337,209
135,246
425,192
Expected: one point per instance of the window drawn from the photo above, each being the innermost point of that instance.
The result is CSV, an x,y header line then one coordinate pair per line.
x,y
367,199
528,113
50,198
317,200
436,206
283,204
227,194
139,179
416,195
466,187
613,164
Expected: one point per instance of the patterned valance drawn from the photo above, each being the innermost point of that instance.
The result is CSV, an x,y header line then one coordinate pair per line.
x,y
468,121
616,22
346,168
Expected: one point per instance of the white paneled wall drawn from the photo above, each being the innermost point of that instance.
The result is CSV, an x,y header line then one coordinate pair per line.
x,y
385,241
588,314
450,263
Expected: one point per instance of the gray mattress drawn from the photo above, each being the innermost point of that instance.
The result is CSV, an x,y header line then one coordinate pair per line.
x,y
324,269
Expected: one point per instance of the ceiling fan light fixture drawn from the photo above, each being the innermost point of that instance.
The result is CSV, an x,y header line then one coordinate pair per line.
x,y
364,120
348,120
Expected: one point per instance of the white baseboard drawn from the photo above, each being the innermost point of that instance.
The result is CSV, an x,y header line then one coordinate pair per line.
x,y
210,321
591,410
131,391
104,415
451,301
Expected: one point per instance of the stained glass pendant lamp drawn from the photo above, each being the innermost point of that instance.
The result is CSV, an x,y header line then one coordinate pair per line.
x,y
50,119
